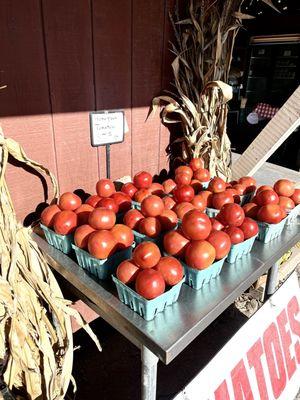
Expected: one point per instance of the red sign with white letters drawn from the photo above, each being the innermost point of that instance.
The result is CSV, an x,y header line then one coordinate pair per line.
x,y
262,361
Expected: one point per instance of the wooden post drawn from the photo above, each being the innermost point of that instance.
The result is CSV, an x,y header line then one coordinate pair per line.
x,y
281,126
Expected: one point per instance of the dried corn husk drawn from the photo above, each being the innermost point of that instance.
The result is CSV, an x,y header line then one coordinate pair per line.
x,y
204,40
35,329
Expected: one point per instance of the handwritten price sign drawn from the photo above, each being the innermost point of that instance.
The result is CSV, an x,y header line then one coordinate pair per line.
x,y
107,127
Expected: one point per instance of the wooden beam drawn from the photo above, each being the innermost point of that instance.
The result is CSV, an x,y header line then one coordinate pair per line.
x,y
280,127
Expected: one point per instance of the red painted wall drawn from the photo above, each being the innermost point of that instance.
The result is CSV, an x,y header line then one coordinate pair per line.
x,y
61,59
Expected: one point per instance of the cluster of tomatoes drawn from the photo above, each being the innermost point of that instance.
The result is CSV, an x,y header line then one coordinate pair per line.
x,y
198,241
201,240
149,272
152,219
94,222
272,204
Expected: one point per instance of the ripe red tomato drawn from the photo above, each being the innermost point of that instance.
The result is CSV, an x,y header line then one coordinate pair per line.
x,y
169,185
141,194
251,210
249,182
69,201
221,242
150,226
232,183
286,203
254,200
146,255
48,214
101,218
234,194
271,213
207,196
202,174
296,196
132,218
196,185
101,244
83,213
217,185
196,163
157,189
182,179
142,180
65,222
123,236
169,202
236,234
150,284
199,202
284,187
171,270
231,214
263,187
184,169
109,203
81,236
93,200
175,243
122,200
200,254
249,227
152,206
196,225
127,272
267,197
221,198
105,188
168,220
216,225
129,188
184,193
240,189
182,208
283,212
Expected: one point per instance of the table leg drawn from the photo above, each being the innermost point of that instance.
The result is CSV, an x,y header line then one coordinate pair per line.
x,y
149,374
271,280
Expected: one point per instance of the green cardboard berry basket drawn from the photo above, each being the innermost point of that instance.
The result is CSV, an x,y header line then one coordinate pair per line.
x,y
268,232
101,269
60,242
147,309
197,278
212,212
293,215
239,250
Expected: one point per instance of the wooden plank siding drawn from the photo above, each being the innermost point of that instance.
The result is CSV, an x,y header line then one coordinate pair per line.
x,y
25,109
64,58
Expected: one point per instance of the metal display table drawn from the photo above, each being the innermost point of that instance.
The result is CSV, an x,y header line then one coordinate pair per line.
x,y
170,332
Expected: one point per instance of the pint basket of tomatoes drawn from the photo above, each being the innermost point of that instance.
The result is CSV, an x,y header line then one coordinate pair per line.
x,y
101,268
59,221
148,282
101,244
200,248
60,242
270,207
151,220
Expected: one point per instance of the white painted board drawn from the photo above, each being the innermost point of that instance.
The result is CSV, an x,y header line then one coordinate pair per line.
x,y
262,360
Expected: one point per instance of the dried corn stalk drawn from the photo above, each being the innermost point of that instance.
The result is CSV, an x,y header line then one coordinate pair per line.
x,y
35,329
203,47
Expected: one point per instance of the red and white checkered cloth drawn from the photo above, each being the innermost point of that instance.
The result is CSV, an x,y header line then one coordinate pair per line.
x,y
265,110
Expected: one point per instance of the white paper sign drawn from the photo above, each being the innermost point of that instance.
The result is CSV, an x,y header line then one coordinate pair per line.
x,y
107,127
262,360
